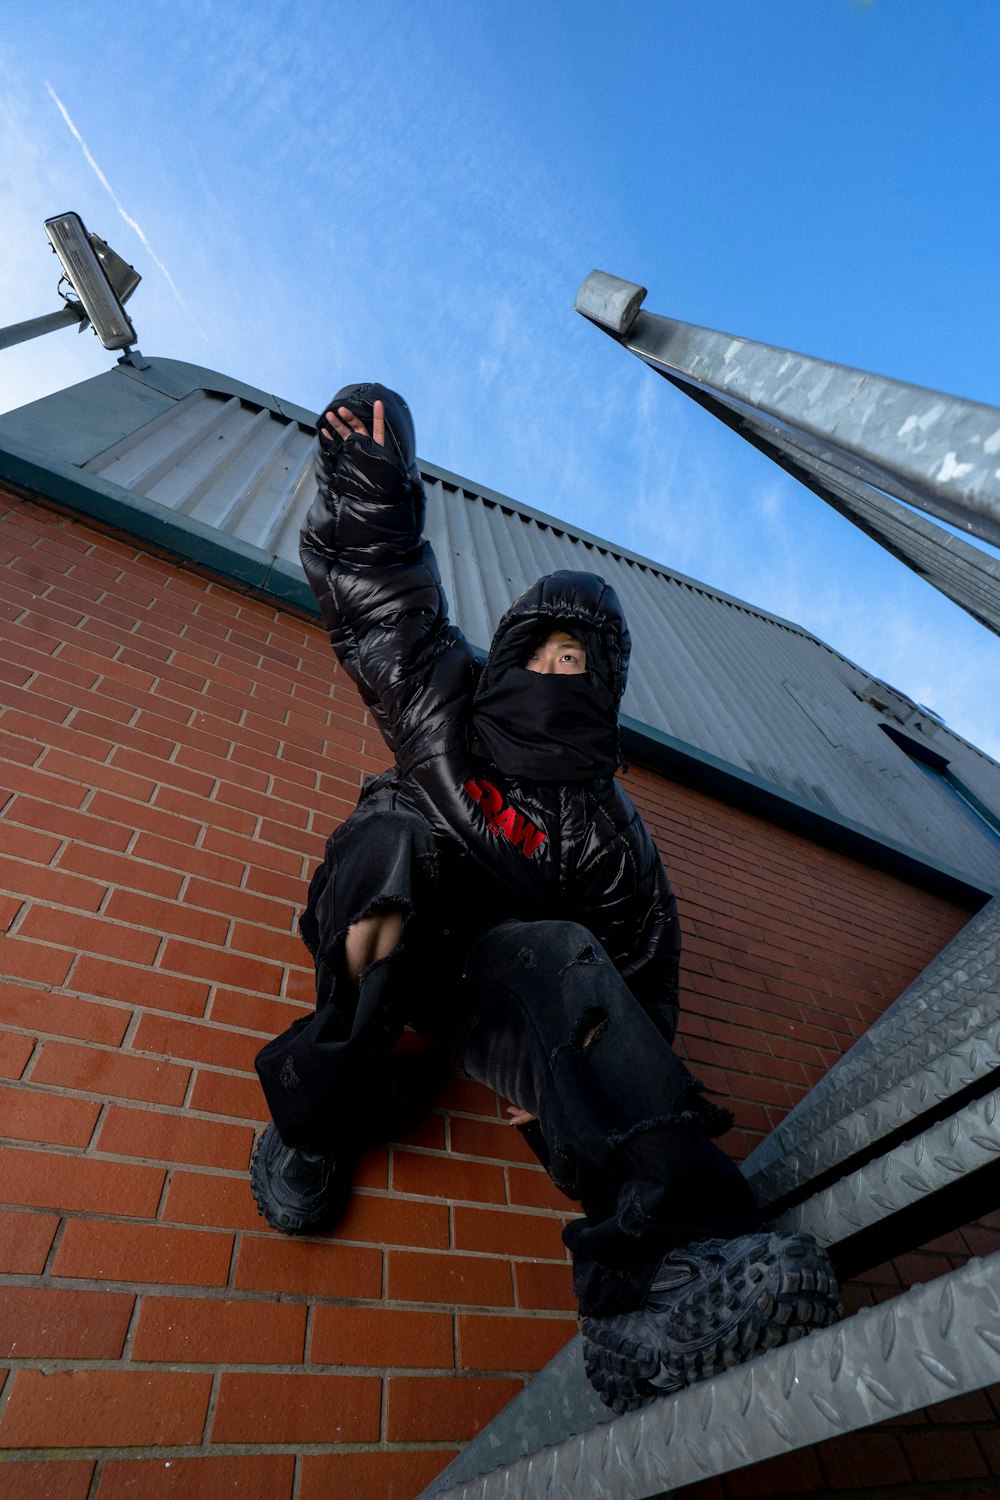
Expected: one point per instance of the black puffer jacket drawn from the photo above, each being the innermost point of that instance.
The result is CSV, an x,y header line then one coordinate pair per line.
x,y
572,851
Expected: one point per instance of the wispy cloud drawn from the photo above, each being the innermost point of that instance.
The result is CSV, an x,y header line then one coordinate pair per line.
x,y
132,223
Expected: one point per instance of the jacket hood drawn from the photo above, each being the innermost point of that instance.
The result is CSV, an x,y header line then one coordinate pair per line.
x,y
360,399
581,603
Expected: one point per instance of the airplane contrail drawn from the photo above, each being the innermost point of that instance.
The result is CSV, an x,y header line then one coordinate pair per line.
x,y
113,195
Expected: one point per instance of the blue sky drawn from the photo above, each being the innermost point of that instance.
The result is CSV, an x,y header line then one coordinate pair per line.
x,y
413,192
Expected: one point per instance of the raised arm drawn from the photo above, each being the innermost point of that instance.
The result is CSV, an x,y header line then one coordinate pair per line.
x,y
374,574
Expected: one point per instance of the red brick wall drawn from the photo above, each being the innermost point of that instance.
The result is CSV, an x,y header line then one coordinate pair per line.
x,y
174,754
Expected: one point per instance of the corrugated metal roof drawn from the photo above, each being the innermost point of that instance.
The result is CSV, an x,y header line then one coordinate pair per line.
x,y
712,671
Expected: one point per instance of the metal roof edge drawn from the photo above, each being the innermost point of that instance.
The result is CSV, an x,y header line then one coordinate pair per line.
x,y
273,578
178,378
682,762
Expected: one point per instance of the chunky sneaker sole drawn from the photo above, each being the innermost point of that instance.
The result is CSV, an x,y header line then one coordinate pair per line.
x,y
294,1191
749,1295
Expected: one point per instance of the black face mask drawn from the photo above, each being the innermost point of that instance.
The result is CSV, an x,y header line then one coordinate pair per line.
x,y
547,727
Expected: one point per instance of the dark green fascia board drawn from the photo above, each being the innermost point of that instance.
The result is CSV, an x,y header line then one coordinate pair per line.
x,y
277,580
181,536
685,763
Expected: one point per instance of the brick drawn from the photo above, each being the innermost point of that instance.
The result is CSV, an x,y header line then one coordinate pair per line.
x,y
429,1132
69,825
14,1053
206,1198
140,986
220,814
161,772
472,1280
443,1177
230,772
544,1287
372,1475
195,1042
201,1330
264,942
153,818
273,1408
15,749
267,883
95,935
534,1188
95,1070
507,1343
163,1136
259,1476
79,1184
148,1253
35,706
9,908
221,968
120,869
104,1409
243,904
381,1338
52,1323
51,885
942,1455
140,736
28,1114
877,1455
425,1408
468,1097
25,843
489,1139
167,917
173,856
252,852
507,1233
387,1220
48,1479
33,961
321,1268
25,1241
789,1474
222,1094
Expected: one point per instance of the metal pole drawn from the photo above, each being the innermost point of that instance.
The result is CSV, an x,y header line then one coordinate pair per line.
x,y
939,452
20,333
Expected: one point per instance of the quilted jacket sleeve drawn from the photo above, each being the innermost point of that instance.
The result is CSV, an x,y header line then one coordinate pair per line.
x,y
379,591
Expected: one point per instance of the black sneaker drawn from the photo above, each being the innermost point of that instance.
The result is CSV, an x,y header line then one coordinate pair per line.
x,y
295,1191
712,1304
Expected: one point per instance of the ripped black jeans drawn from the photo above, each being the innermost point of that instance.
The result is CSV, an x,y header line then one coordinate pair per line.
x,y
542,1016
552,1026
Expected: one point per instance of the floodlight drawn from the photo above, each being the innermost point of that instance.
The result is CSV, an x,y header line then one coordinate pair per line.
x,y
99,277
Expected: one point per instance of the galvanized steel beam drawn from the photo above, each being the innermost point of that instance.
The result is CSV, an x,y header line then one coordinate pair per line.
x,y
963,573
939,1039
912,1172
928,1345
939,452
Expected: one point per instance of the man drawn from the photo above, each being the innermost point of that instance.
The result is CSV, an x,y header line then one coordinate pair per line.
x,y
498,889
